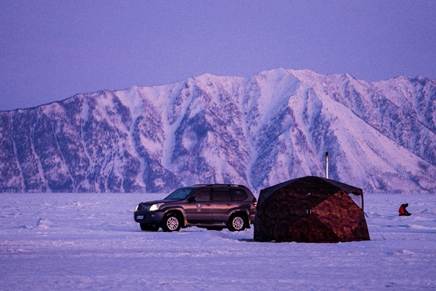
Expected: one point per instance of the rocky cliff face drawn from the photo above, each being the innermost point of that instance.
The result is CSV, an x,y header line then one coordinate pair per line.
x,y
255,131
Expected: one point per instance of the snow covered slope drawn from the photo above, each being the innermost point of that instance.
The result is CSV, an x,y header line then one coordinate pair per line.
x,y
256,131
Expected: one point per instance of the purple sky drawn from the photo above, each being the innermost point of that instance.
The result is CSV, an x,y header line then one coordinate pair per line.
x,y
53,49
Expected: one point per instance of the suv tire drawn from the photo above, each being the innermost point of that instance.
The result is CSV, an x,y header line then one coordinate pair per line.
x,y
149,227
236,222
172,222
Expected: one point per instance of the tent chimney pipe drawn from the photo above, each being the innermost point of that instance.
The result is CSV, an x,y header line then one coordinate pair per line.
x,y
326,170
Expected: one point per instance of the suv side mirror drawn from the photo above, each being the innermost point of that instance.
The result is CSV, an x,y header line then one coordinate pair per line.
x,y
191,199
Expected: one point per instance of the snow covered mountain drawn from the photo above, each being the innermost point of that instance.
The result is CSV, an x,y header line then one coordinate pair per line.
x,y
255,131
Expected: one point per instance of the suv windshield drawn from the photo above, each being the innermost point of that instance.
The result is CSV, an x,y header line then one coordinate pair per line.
x,y
179,194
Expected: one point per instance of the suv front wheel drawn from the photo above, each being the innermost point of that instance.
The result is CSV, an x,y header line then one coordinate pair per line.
x,y
236,223
172,222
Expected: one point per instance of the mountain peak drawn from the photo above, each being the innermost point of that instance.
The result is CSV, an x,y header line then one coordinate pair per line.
x,y
256,131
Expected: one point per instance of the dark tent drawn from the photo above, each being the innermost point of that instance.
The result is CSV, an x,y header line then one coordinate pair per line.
x,y
310,209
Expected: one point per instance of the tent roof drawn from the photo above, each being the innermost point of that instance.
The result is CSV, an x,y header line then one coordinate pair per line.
x,y
265,193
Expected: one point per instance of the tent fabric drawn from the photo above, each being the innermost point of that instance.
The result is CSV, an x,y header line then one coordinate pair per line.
x,y
310,209
265,193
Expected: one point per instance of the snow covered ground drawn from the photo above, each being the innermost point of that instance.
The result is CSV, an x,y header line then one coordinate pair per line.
x,y
90,241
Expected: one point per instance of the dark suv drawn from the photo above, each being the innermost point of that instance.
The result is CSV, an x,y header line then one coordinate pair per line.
x,y
212,206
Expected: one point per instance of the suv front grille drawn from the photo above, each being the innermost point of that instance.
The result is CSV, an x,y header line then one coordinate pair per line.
x,y
142,206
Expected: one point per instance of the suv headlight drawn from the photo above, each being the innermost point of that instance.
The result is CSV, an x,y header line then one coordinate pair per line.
x,y
137,207
155,207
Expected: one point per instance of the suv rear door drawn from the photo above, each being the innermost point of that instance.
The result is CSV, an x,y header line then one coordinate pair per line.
x,y
222,203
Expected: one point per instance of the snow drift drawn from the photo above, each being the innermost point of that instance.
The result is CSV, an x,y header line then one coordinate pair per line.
x,y
92,243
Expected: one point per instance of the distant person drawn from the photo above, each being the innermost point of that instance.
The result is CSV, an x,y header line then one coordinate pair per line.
x,y
403,211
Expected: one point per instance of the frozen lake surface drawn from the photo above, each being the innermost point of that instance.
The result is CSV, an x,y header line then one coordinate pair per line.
x,y
90,241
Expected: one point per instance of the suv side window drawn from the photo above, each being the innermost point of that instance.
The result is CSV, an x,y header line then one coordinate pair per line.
x,y
202,195
238,195
221,195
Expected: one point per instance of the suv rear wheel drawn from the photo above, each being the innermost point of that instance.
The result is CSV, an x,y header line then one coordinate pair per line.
x,y
172,222
236,222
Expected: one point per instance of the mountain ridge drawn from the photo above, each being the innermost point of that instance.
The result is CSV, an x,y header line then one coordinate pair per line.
x,y
419,77
256,130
